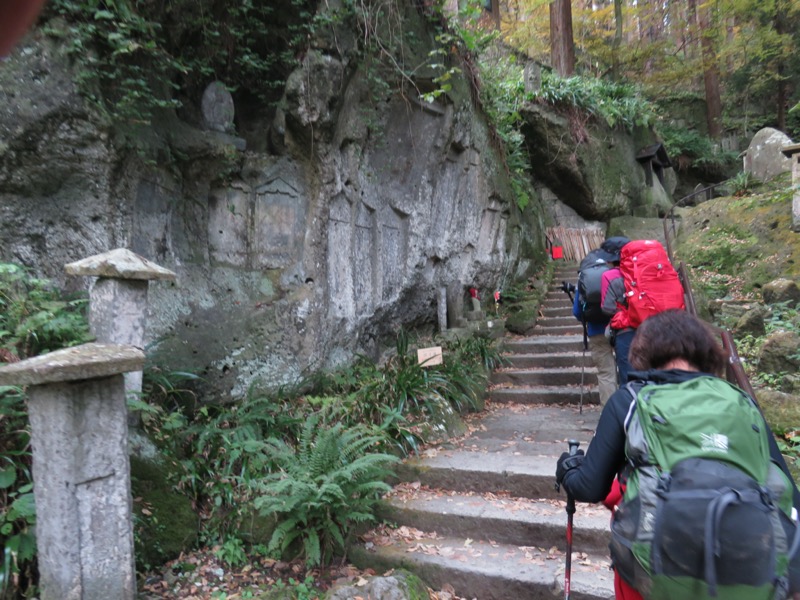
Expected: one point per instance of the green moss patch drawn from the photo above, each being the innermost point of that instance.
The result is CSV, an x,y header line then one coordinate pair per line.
x,y
734,246
164,522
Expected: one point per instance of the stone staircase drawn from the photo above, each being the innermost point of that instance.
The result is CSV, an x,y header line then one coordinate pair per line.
x,y
481,513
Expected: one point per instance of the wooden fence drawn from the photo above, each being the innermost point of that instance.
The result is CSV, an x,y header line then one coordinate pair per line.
x,y
576,243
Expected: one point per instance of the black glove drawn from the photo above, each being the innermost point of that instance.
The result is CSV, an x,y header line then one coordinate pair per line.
x,y
567,462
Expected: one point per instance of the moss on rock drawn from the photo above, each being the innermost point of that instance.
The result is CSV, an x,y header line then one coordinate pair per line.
x,y
747,240
164,522
522,319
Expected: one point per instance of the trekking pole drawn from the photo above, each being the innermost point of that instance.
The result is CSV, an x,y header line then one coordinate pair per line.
x,y
583,362
573,449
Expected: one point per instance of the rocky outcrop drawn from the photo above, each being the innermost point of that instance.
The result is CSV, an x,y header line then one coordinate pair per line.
x,y
591,168
349,212
781,290
763,158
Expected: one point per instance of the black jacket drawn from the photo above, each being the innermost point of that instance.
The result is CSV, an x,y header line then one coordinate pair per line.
x,y
605,456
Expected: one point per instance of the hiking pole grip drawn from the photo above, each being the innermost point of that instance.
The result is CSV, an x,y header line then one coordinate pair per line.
x,y
573,449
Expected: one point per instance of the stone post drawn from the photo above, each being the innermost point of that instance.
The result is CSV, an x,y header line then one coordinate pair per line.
x,y
441,309
118,299
455,304
81,473
793,153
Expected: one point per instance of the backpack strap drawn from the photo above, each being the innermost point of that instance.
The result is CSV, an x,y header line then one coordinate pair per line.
x,y
633,388
716,509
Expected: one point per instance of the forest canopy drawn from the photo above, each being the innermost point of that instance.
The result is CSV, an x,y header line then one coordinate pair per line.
x,y
737,55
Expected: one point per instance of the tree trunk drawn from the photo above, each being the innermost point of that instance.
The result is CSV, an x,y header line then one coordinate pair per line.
x,y
710,76
779,24
617,38
691,20
694,49
562,46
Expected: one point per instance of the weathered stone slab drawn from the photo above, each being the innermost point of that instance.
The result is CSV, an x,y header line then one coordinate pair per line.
x,y
88,361
120,264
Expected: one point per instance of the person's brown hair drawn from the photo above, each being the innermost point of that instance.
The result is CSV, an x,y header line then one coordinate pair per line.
x,y
676,334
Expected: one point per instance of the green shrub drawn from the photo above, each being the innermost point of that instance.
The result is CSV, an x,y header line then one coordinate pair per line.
x,y
328,482
689,147
136,58
403,384
233,456
17,510
743,183
616,104
222,450
35,318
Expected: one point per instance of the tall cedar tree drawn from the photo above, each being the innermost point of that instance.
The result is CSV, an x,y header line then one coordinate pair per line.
x,y
562,46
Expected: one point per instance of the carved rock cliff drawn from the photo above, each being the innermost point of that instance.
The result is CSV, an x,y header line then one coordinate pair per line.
x,y
307,240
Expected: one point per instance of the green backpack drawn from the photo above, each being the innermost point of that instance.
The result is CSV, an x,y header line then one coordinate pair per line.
x,y
705,512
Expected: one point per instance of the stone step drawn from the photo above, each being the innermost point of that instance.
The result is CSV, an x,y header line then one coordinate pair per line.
x,y
483,569
568,394
574,328
556,295
514,451
501,518
544,344
546,377
548,360
557,311
551,320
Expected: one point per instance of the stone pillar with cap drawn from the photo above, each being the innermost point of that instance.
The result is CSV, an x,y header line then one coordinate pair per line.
x,y
455,304
118,299
441,308
81,471
793,153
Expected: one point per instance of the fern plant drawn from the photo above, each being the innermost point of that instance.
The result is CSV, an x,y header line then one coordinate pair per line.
x,y
743,183
17,510
34,318
327,484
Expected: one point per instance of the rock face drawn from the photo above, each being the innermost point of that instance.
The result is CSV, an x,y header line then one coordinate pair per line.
x,y
340,228
763,158
597,175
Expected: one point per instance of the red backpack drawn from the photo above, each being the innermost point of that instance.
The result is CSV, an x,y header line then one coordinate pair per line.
x,y
651,283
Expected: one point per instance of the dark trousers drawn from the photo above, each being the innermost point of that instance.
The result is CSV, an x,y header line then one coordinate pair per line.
x,y
622,345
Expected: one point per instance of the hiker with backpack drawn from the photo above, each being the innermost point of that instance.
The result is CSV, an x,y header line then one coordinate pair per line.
x,y
586,307
613,300
707,501
642,284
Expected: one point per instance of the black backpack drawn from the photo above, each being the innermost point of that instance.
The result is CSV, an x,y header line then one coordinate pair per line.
x,y
590,274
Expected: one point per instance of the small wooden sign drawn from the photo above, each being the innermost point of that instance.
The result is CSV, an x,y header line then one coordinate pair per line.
x,y
427,357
